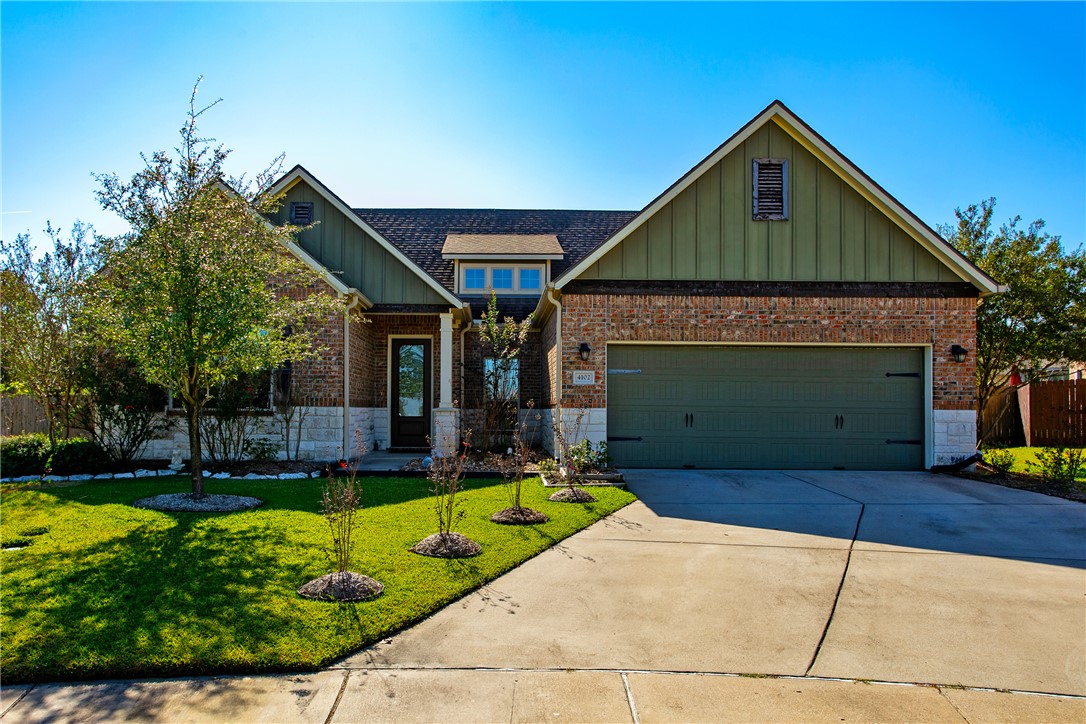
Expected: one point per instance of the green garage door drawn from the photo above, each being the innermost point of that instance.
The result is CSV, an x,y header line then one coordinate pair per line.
x,y
765,407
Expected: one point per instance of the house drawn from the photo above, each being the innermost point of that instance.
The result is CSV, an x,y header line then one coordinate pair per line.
x,y
773,308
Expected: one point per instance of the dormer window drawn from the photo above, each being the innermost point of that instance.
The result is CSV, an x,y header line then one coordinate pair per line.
x,y
502,263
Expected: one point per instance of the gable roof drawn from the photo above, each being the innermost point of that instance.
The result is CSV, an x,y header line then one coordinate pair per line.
x,y
778,113
299,173
420,233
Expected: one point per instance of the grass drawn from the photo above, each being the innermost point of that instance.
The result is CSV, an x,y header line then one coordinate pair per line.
x,y
1022,455
105,590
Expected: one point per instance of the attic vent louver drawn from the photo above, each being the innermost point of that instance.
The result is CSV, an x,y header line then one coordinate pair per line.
x,y
770,189
301,213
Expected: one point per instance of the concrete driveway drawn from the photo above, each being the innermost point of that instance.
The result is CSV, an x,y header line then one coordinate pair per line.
x,y
901,577
718,596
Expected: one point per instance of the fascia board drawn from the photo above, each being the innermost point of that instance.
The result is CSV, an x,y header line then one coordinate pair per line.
x,y
502,257
844,168
881,199
667,196
298,173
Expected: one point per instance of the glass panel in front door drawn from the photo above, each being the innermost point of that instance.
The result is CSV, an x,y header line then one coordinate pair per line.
x,y
410,380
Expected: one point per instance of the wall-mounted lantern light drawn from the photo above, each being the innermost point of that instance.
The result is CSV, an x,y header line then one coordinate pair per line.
x,y
958,352
585,351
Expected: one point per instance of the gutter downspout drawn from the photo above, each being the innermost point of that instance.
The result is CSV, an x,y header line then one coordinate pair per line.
x,y
351,305
557,364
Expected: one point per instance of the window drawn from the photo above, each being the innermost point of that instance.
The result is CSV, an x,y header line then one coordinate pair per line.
x,y
501,390
529,279
770,185
526,279
475,278
301,213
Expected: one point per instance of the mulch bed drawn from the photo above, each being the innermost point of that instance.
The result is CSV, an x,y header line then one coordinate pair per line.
x,y
344,587
572,495
1025,481
243,468
187,503
519,516
447,545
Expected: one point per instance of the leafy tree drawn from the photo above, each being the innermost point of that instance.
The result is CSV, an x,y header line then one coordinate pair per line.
x,y
1041,318
194,293
502,341
41,302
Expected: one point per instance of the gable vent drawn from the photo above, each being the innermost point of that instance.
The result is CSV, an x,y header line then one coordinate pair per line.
x,y
770,189
301,213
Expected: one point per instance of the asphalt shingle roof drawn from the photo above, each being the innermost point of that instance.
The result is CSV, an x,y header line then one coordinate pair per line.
x,y
420,233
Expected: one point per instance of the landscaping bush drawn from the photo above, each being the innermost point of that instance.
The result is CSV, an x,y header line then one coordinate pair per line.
x,y
1058,464
1000,460
75,456
31,455
24,455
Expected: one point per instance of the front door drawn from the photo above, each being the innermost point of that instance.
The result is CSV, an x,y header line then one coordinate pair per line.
x,y
411,387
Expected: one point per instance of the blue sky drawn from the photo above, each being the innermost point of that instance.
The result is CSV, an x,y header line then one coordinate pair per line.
x,y
545,105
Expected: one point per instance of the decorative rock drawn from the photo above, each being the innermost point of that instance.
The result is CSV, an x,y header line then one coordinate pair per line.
x,y
104,476
221,476
54,478
25,478
125,475
315,474
163,473
145,473
293,476
253,476
427,462
82,476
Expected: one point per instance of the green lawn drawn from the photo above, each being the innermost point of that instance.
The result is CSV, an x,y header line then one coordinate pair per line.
x,y
1024,454
108,590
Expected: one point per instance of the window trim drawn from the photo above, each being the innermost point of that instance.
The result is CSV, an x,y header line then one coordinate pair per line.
x,y
757,215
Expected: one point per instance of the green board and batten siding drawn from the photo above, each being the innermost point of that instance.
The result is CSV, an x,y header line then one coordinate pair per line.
x,y
673,406
342,246
832,233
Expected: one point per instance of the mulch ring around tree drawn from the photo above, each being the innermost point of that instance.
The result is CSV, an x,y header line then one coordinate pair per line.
x,y
572,495
447,545
343,587
188,503
519,516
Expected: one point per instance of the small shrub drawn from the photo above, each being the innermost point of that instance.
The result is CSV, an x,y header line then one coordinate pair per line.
x,y
71,457
261,451
24,455
1057,464
587,458
549,468
1000,460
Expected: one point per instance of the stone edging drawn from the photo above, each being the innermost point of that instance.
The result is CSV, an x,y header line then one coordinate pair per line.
x,y
152,474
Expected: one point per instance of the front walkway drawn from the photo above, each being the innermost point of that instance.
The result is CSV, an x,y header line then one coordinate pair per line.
x,y
751,596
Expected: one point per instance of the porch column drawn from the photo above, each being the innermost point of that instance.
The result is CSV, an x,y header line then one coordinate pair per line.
x,y
446,360
446,432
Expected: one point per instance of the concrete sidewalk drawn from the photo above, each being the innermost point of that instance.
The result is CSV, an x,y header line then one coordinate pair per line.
x,y
451,695
718,596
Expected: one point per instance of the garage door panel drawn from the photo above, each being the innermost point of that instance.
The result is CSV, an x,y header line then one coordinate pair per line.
x,y
765,407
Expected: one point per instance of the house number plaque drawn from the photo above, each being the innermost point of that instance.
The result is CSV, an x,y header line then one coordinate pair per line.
x,y
584,377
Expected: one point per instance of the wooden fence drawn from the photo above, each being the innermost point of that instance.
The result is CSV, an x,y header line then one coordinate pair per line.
x,y
21,414
1054,413
1001,423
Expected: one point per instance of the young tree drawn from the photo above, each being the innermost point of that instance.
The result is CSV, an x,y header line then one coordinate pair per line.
x,y
41,301
502,341
1041,318
192,294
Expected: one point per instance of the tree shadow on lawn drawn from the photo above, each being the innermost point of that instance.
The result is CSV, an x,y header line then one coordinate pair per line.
x,y
299,495
178,594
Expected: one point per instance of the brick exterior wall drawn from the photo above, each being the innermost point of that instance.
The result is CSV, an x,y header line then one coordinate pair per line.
x,y
548,367
469,378
383,325
940,322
